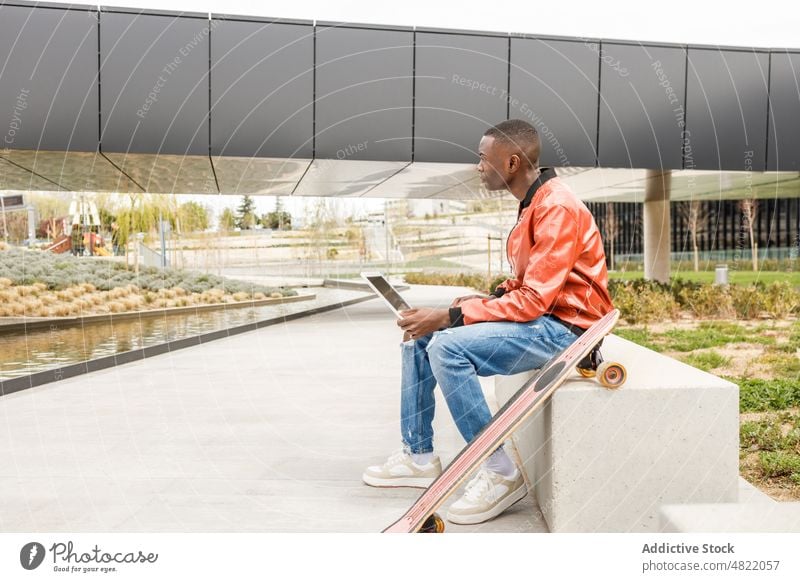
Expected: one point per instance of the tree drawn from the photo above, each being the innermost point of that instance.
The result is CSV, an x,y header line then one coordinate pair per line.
x,y
611,228
749,207
283,218
106,217
320,222
696,216
227,220
278,219
246,213
17,225
141,215
49,209
193,216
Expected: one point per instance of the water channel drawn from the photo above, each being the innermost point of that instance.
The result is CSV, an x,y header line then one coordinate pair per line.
x,y
23,353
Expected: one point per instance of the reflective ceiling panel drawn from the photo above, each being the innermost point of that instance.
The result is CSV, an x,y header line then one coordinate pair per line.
x,y
626,185
471,189
424,180
711,185
345,177
15,178
603,184
167,173
269,176
76,171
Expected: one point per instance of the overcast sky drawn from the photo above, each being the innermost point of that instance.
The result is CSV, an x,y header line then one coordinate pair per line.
x,y
762,23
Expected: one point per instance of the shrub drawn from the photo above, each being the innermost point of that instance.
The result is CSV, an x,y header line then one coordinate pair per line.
x,y
472,280
643,301
779,464
748,301
781,299
707,301
57,272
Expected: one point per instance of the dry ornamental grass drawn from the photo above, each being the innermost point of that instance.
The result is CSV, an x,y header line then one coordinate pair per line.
x,y
39,284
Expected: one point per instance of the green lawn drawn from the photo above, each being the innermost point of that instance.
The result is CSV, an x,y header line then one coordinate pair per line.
x,y
738,277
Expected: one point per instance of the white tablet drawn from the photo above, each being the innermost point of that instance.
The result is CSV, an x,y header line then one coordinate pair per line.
x,y
385,290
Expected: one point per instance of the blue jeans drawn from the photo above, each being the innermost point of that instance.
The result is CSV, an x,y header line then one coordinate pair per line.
x,y
455,357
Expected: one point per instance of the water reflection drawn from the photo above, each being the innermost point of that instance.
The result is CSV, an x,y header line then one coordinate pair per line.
x,y
24,353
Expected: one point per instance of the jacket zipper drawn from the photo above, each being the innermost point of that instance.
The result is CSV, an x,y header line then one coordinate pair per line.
x,y
511,260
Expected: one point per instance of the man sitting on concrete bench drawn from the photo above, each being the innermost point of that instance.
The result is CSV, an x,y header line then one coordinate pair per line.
x,y
559,289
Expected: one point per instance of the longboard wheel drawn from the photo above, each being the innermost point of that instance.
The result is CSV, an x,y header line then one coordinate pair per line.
x,y
611,375
587,372
434,524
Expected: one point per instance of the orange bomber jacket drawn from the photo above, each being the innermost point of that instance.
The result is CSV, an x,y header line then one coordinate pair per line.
x,y
556,254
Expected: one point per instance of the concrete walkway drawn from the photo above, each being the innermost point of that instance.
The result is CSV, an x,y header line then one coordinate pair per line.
x,y
264,431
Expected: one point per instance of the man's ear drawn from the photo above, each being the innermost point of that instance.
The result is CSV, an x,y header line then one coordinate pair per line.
x,y
514,162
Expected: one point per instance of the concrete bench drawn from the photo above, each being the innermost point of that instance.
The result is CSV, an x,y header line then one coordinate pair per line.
x,y
762,517
606,461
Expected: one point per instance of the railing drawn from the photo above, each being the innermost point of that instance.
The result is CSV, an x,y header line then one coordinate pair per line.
x,y
151,258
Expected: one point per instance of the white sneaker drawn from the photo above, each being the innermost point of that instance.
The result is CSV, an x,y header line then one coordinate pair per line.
x,y
488,495
400,470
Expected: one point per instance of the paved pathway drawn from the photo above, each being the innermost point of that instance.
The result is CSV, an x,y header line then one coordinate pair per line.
x,y
264,431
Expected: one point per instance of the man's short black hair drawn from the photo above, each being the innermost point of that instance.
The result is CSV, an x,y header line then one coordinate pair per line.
x,y
519,133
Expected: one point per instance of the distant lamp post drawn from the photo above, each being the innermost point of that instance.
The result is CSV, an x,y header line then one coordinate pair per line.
x,y
163,230
139,239
31,225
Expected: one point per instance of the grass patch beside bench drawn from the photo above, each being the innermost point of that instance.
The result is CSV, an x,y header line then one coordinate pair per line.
x,y
762,358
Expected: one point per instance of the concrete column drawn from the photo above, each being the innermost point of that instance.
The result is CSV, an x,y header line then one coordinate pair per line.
x,y
657,232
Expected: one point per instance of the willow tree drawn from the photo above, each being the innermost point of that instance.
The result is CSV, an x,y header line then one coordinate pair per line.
x,y
141,215
695,215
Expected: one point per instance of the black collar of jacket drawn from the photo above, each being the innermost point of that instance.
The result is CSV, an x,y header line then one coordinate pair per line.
x,y
545,174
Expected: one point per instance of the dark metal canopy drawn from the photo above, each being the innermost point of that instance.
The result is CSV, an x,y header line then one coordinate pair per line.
x,y
131,100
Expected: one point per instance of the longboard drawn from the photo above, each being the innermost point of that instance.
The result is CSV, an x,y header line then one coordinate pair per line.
x,y
421,517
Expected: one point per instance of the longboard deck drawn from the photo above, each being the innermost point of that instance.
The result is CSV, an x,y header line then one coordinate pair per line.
x,y
533,394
